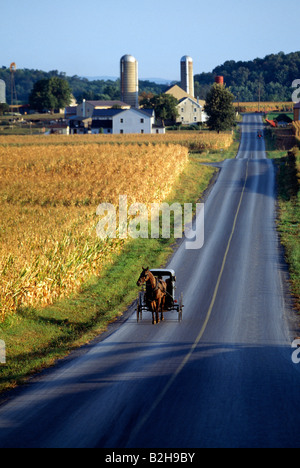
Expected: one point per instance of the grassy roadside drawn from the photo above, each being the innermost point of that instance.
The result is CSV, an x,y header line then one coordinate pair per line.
x,y
36,337
288,221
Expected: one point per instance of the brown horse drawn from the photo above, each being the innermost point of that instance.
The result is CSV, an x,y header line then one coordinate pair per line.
x,y
156,293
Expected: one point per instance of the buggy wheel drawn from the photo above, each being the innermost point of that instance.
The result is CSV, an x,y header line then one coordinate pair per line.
x,y
180,308
180,315
139,314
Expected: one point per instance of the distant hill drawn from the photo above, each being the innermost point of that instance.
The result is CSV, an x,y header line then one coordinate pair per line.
x,y
104,78
273,75
82,88
160,81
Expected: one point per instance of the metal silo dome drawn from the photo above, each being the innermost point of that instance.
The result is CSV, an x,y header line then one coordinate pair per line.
x,y
128,58
186,58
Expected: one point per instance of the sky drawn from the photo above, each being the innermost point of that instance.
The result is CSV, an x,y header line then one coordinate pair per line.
x,y
88,38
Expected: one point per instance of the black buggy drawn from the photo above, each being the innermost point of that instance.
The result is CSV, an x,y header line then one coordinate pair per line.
x,y
172,304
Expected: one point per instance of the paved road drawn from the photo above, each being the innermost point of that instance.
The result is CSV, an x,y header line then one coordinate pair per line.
x,y
222,378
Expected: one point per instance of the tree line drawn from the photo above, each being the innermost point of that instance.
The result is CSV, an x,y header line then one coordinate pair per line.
x,y
81,88
269,78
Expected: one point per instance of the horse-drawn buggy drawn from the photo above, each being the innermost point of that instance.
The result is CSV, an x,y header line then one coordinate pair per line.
x,y
158,294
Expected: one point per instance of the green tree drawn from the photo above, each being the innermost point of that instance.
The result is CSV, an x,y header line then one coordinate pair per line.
x,y
51,94
61,91
219,108
164,105
4,108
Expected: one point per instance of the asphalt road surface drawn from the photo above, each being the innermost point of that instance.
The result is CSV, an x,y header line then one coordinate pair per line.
x,y
223,377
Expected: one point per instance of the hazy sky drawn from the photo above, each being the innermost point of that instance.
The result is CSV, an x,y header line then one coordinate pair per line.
x,y
88,38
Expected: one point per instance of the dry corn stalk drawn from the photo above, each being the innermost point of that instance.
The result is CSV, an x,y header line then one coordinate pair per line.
x,y
48,200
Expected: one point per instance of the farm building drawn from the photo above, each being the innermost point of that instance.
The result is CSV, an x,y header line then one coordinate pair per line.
x,y
70,111
190,109
187,75
116,121
297,111
79,125
134,121
129,80
178,92
87,108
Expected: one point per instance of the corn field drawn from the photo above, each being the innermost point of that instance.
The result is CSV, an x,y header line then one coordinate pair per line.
x,y
296,128
48,200
194,141
282,106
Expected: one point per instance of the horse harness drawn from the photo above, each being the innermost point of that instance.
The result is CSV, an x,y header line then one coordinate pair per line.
x,y
159,286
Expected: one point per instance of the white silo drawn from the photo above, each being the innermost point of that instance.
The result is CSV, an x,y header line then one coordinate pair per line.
x,y
187,75
129,81
2,92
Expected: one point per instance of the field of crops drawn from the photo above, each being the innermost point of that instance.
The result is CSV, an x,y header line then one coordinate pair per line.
x,y
50,189
264,106
296,128
194,141
48,200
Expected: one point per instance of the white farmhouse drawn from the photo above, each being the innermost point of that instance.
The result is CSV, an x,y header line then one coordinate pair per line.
x,y
116,121
134,121
191,111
